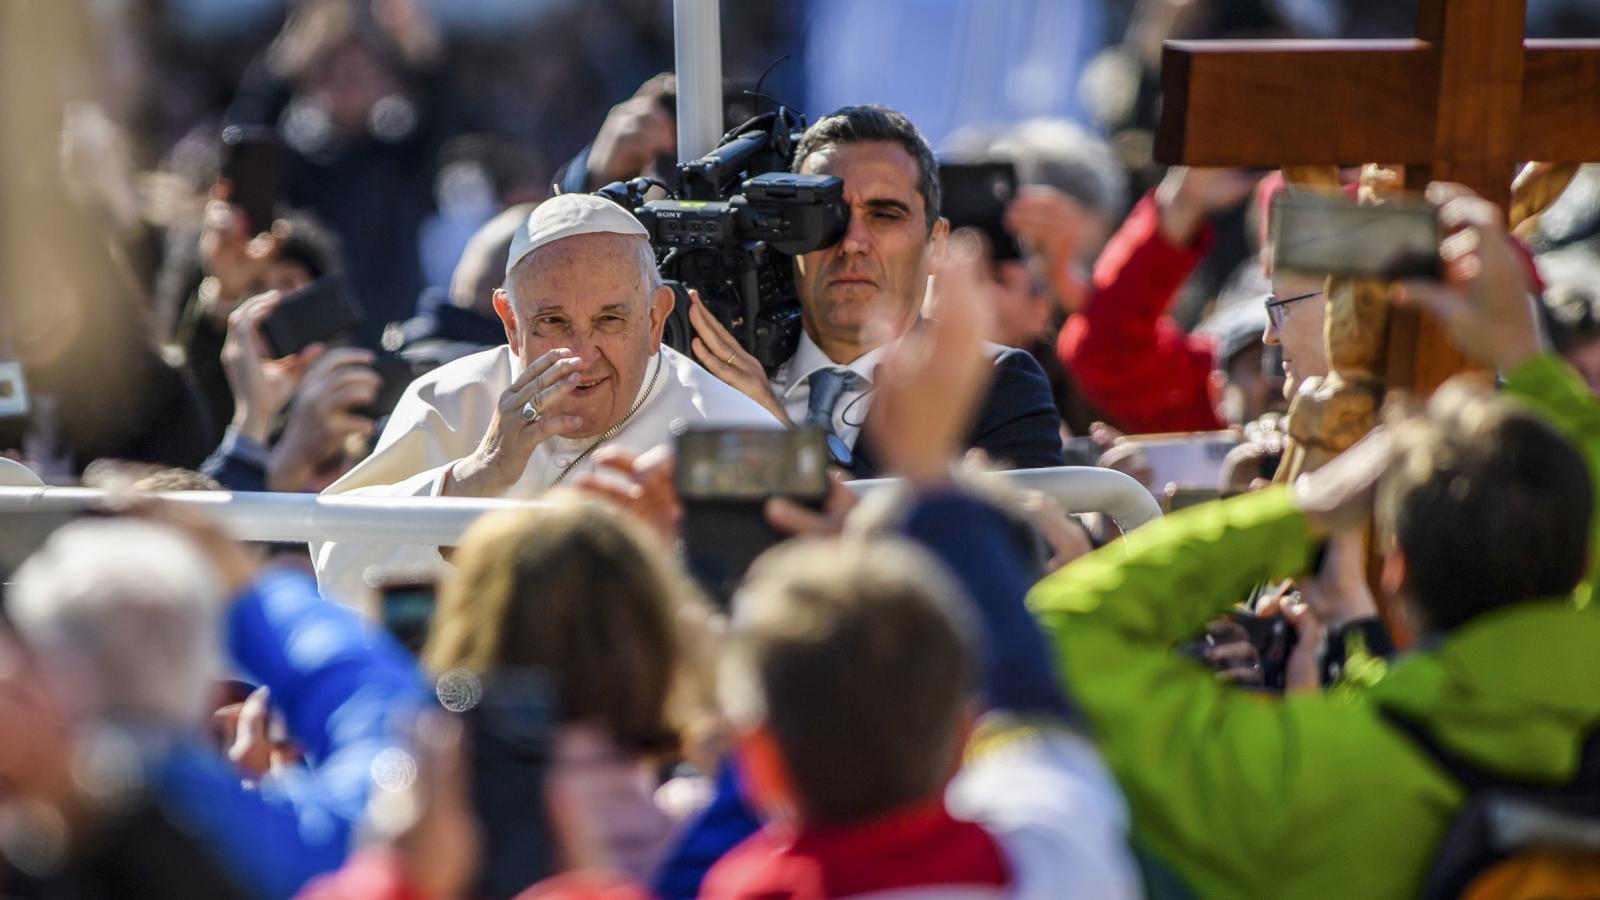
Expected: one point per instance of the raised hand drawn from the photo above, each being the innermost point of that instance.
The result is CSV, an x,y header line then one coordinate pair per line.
x,y
732,364
1187,197
1056,228
261,386
929,388
640,483
322,417
1485,298
528,413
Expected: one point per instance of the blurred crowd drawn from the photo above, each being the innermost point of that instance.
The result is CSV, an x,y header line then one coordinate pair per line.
x,y
952,688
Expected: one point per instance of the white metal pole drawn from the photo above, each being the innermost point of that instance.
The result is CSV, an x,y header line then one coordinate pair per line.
x,y
697,30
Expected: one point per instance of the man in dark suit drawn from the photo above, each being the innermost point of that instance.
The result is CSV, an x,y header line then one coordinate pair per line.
x,y
859,296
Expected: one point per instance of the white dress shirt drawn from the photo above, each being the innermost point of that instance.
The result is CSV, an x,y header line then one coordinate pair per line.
x,y
794,391
445,413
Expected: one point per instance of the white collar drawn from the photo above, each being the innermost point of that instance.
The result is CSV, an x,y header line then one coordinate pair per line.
x,y
809,358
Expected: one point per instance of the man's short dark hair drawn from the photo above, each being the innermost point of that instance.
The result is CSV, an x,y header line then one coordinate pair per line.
x,y
858,656
1490,505
869,123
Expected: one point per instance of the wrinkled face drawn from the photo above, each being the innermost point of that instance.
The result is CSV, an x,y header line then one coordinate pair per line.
x,y
879,269
587,294
1304,353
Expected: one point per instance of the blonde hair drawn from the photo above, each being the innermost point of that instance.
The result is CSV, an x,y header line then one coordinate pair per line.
x,y
583,592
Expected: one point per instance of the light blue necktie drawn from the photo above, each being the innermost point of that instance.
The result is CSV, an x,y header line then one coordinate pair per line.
x,y
827,386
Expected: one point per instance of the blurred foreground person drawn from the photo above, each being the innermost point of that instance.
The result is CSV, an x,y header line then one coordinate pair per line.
x,y
570,624
853,678
1484,507
582,367
125,622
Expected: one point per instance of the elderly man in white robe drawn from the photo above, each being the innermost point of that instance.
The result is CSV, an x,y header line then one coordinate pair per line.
x,y
582,368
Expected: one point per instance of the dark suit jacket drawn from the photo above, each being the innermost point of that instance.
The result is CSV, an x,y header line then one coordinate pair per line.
x,y
1017,425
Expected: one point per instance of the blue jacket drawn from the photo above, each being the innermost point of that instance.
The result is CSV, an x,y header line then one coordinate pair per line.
x,y
346,691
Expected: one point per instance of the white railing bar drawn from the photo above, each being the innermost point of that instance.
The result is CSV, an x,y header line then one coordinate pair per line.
x,y
441,520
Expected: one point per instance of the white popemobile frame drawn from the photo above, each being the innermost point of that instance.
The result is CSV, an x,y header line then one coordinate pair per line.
x,y
441,520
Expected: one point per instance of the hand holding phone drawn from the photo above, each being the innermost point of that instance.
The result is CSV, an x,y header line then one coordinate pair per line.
x,y
724,478
1330,234
320,311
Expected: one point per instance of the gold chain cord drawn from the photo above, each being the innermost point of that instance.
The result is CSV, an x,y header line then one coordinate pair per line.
x,y
612,431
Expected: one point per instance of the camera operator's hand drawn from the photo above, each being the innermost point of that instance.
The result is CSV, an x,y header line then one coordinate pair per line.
x,y
1485,299
929,387
1187,197
234,260
261,386
1055,227
732,364
635,133
505,449
640,483
322,418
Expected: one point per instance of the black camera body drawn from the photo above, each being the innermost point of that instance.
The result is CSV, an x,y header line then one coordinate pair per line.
x,y
736,219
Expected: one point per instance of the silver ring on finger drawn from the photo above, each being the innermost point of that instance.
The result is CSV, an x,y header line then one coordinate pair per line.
x,y
531,413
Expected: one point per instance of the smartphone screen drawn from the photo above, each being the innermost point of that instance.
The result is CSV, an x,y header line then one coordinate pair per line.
x,y
319,311
1188,460
749,464
406,607
976,195
1330,234
724,477
251,161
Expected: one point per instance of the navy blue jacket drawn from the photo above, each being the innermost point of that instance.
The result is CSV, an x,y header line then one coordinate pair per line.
x,y
1017,424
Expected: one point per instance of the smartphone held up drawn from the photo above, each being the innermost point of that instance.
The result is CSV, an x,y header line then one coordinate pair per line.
x,y
1330,234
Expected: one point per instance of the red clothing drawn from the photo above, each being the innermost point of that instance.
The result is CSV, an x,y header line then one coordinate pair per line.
x,y
1130,358
372,874
918,847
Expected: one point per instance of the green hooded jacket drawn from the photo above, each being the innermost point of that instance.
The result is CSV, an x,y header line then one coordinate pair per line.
x,y
1245,795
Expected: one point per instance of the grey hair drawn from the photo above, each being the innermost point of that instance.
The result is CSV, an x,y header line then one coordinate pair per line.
x,y
125,615
1067,157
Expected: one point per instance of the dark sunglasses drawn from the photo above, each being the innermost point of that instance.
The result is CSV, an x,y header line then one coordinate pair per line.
x,y
1275,305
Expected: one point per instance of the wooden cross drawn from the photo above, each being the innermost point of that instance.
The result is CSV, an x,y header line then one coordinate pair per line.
x,y
1465,101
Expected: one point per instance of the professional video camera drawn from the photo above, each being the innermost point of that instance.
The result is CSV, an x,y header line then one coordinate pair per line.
x,y
735,219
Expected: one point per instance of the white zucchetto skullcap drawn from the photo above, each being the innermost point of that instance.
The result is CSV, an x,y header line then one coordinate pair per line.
x,y
566,215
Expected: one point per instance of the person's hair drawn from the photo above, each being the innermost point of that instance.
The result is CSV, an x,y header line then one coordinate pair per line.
x,y
871,123
582,592
1489,504
858,656
310,244
124,614
1064,155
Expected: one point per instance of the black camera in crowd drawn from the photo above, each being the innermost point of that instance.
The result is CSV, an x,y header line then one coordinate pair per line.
x,y
735,220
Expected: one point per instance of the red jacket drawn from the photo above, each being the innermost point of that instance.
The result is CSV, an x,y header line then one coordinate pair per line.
x,y
1130,358
921,847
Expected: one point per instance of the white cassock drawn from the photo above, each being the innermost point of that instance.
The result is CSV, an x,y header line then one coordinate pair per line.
x,y
445,413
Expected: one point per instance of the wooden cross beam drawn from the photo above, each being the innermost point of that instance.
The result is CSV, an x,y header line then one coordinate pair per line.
x,y
1465,101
